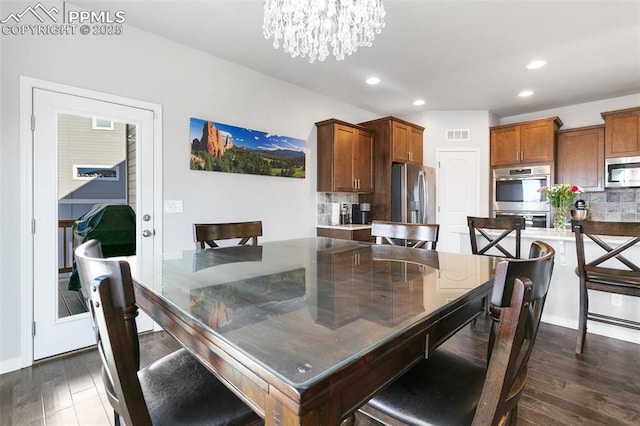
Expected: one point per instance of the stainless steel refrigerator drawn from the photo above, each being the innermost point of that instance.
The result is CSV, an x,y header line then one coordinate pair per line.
x,y
413,193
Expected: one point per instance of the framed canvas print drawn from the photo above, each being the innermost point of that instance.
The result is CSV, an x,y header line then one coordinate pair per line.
x,y
221,147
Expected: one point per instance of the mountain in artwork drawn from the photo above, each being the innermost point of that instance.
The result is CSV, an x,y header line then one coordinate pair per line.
x,y
212,141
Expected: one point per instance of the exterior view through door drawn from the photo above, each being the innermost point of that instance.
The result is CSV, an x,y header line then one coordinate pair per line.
x,y
91,191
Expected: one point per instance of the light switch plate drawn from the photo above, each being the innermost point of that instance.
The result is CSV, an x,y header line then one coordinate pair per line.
x,y
173,206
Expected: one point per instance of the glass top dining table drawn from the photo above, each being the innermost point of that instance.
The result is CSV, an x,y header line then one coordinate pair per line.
x,y
289,325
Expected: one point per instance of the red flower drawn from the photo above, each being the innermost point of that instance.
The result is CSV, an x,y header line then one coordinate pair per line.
x,y
575,189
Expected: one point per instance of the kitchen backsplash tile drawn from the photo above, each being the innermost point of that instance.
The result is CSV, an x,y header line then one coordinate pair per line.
x,y
614,205
324,204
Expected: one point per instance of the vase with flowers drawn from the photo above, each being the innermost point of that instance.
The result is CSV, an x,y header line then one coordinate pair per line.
x,y
560,196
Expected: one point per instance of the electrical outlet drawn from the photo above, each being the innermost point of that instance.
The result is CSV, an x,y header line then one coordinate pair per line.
x,y
616,299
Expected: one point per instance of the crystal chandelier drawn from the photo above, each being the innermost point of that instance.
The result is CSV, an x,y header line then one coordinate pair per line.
x,y
312,27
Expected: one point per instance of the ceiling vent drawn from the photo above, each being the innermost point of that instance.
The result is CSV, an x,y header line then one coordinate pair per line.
x,y
456,135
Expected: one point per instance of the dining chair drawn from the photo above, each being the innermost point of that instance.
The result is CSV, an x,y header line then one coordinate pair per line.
x,y
210,232
607,266
176,389
449,389
414,235
478,227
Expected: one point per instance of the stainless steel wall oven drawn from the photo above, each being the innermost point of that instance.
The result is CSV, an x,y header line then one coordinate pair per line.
x,y
516,193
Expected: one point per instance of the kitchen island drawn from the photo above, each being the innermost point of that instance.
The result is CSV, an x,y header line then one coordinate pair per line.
x,y
562,304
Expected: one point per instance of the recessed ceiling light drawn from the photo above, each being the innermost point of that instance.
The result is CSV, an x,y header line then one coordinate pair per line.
x,y
525,93
373,80
418,102
536,64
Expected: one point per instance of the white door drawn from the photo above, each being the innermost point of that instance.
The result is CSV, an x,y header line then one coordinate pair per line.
x,y
458,194
55,333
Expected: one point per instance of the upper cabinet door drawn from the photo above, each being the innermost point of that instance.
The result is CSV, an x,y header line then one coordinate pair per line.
x,y
622,133
363,161
580,157
400,142
537,142
343,157
505,145
415,146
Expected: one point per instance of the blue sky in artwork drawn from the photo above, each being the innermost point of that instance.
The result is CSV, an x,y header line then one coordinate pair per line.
x,y
252,139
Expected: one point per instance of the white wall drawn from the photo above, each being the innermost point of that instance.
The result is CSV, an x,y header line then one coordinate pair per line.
x,y
478,123
187,83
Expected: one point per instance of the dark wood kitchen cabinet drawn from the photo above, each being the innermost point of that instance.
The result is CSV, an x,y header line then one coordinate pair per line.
x,y
580,157
396,141
345,157
403,139
622,133
406,142
524,143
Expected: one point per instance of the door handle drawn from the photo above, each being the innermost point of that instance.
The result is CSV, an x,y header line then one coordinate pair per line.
x,y
147,233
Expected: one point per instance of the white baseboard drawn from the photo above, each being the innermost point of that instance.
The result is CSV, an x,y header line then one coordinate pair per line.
x,y
9,365
615,332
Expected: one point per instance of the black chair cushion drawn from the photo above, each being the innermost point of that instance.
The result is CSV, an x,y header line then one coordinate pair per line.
x,y
179,390
443,390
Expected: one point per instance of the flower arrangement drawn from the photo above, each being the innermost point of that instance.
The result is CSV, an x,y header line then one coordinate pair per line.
x,y
560,196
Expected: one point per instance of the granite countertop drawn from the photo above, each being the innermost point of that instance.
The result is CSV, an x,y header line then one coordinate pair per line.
x,y
350,227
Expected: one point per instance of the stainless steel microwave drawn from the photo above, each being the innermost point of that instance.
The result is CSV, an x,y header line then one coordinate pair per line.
x,y
623,172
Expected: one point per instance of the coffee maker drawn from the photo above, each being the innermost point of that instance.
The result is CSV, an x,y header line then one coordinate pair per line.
x,y
360,213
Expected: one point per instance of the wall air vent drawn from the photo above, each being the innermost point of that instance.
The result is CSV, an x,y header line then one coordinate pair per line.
x,y
455,135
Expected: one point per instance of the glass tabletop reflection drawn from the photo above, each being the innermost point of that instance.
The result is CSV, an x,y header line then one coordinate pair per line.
x,y
306,307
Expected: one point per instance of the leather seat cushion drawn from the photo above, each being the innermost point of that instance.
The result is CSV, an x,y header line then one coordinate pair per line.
x,y
179,390
442,390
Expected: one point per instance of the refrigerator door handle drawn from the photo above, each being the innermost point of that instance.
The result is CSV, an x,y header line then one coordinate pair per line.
x,y
424,197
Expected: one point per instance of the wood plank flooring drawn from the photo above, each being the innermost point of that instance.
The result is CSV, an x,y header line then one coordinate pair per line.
x,y
601,387
67,390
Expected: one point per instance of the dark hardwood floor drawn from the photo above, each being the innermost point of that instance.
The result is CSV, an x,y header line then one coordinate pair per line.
x,y
601,387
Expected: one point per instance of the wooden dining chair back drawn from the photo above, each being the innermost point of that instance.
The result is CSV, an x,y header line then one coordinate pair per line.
x,y
478,232
414,235
450,389
609,265
538,271
176,389
209,233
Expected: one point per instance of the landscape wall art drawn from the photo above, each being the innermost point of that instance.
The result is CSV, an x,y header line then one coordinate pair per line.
x,y
220,147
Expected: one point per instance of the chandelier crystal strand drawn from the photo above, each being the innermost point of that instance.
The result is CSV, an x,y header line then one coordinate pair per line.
x,y
313,28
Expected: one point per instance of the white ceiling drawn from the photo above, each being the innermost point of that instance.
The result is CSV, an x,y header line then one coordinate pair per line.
x,y
456,55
